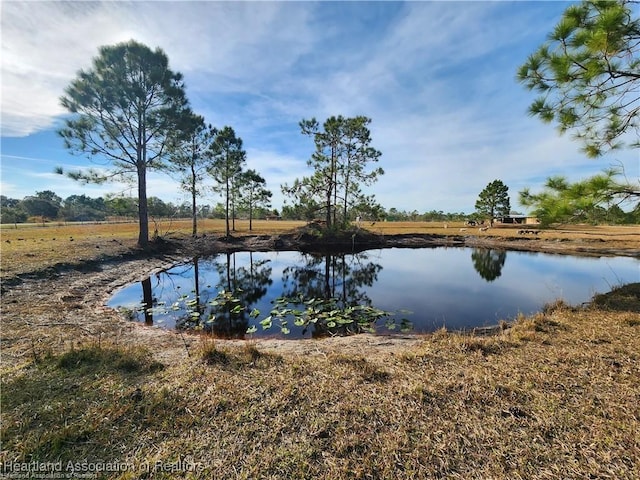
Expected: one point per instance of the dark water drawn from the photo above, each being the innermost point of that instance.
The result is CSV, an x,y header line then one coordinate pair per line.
x,y
456,288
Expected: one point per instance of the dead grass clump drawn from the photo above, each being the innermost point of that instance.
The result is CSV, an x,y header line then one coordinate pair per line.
x,y
96,359
541,326
367,370
373,374
558,305
215,356
246,355
357,362
444,343
484,345
633,321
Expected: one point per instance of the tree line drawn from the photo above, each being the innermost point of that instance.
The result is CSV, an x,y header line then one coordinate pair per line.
x,y
47,206
493,202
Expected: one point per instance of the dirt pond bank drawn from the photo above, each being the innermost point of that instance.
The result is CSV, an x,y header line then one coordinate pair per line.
x,y
61,305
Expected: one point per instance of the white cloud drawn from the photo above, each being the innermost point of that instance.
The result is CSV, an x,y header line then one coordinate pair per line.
x,y
38,61
202,39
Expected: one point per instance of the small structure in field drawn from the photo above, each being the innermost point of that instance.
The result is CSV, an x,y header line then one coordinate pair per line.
x,y
517,220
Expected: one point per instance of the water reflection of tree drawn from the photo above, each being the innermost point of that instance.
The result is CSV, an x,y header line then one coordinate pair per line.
x,y
338,277
147,301
488,263
150,297
165,288
247,284
204,307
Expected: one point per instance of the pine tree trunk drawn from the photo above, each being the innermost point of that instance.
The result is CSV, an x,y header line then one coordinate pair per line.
x,y
194,209
226,210
143,211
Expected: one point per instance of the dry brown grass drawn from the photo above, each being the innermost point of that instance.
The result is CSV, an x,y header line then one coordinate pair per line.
x,y
556,395
32,247
35,247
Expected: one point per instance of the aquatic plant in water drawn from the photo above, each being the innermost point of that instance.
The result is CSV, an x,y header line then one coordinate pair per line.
x,y
328,317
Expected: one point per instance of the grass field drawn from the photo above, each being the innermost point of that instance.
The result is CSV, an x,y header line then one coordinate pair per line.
x,y
33,246
556,395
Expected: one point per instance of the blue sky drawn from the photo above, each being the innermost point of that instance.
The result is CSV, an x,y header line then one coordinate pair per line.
x,y
436,78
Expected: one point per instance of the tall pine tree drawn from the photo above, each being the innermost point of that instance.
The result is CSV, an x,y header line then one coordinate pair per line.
x,y
494,200
124,110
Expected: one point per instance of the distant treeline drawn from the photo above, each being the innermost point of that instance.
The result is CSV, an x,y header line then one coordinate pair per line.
x,y
47,206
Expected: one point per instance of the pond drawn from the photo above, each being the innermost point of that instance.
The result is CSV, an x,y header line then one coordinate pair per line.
x,y
237,295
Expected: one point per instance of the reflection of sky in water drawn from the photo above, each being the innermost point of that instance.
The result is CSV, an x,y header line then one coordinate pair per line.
x,y
441,286
445,289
